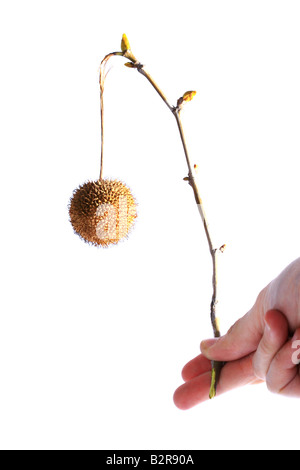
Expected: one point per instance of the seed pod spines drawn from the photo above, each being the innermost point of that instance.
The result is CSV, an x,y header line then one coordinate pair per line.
x,y
102,212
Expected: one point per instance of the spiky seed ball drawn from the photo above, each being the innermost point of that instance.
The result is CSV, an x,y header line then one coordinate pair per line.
x,y
102,212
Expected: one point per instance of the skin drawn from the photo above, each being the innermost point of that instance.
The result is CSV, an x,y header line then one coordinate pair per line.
x,y
259,347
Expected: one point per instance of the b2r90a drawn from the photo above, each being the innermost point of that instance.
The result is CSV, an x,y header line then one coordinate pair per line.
x,y
171,459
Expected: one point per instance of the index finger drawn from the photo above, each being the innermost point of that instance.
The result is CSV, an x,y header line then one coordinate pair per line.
x,y
195,391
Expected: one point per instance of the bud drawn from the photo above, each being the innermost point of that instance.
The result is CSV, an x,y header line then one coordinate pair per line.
x,y
189,95
125,46
130,65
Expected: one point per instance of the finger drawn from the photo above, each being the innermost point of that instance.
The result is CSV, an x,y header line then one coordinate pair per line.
x,y
283,376
241,340
198,365
193,392
274,337
257,381
234,374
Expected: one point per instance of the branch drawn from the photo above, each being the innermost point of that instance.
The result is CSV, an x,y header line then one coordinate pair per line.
x,y
134,63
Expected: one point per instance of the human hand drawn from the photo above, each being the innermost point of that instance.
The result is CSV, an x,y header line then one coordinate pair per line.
x,y
258,347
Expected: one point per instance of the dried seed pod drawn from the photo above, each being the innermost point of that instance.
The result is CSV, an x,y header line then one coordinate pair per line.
x,y
102,212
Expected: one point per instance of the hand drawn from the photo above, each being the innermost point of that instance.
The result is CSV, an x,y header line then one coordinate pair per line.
x,y
258,347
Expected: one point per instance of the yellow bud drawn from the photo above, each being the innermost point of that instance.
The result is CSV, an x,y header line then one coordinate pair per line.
x,y
189,95
130,65
125,46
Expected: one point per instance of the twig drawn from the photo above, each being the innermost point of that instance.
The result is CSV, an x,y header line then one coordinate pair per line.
x,y
216,366
134,63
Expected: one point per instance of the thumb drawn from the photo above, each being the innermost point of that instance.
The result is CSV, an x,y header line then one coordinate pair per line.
x,y
241,340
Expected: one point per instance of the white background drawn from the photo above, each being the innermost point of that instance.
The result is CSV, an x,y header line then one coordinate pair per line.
x,y
92,341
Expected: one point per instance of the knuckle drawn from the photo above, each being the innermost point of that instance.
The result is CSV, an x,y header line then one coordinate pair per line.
x,y
232,328
257,368
273,377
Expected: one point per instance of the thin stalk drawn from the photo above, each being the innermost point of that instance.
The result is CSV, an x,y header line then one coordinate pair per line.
x,y
142,71
216,366
102,76
102,132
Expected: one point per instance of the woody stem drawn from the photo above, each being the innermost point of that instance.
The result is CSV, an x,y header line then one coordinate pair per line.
x,y
216,366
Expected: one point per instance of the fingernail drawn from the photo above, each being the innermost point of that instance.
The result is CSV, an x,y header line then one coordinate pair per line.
x,y
208,343
268,325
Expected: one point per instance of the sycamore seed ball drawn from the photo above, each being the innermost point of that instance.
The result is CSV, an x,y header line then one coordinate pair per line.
x,y
102,212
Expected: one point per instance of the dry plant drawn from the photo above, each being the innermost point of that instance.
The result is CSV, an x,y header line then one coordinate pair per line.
x,y
103,212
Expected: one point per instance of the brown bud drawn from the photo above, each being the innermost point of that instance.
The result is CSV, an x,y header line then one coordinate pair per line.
x,y
130,65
